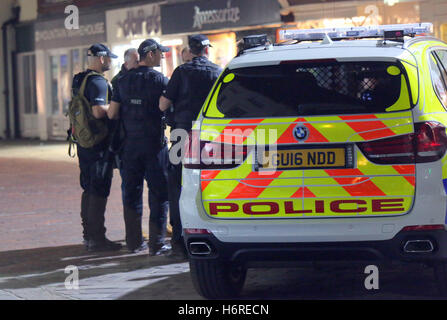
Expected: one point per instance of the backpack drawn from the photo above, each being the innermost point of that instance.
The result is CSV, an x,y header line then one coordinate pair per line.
x,y
85,129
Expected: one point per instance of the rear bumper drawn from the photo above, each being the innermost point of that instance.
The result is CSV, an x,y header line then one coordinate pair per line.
x,y
380,251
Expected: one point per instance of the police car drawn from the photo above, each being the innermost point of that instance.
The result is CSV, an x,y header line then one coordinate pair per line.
x,y
328,147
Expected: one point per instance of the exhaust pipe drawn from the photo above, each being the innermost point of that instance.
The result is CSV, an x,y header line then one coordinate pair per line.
x,y
418,246
199,248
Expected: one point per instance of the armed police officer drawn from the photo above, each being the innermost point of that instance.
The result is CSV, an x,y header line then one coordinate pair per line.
x,y
135,102
96,172
187,90
130,62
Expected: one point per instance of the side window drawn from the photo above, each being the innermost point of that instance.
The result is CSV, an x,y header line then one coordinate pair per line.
x,y
438,80
442,58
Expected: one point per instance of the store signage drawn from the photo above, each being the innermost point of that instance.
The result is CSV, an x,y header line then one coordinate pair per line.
x,y
54,34
133,23
57,6
229,14
203,15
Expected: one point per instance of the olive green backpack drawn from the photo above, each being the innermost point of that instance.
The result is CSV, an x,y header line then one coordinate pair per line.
x,y
85,129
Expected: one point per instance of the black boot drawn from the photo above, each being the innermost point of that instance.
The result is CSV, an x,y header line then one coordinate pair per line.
x,y
157,229
96,229
134,232
178,251
103,245
84,217
155,238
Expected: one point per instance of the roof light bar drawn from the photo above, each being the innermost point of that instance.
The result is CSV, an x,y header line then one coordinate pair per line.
x,y
355,32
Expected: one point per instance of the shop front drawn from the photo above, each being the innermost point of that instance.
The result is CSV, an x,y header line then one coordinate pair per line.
x,y
25,95
60,53
128,27
221,21
435,11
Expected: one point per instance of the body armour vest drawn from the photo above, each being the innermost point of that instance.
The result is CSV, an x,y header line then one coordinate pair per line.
x,y
140,90
197,79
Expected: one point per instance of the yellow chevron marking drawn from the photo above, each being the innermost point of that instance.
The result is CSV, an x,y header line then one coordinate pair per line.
x,y
324,187
219,189
394,186
335,132
369,168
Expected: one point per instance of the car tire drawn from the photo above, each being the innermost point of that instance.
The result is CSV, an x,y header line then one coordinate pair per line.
x,y
216,279
440,271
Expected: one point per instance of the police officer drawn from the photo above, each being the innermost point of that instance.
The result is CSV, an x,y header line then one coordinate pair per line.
x,y
187,90
131,59
186,55
96,173
135,102
130,62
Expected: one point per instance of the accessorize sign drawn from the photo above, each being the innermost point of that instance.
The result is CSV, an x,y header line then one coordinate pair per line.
x,y
217,14
133,23
54,34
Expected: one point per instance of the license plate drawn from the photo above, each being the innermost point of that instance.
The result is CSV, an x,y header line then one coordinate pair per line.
x,y
309,158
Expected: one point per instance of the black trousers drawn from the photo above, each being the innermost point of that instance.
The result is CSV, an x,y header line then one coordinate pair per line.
x,y
175,189
96,180
141,161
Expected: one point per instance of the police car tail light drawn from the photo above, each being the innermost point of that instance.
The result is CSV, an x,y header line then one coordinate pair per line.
x,y
427,144
196,231
430,140
392,150
202,154
424,227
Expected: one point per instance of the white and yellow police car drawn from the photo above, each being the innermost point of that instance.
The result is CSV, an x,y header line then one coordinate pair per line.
x,y
331,146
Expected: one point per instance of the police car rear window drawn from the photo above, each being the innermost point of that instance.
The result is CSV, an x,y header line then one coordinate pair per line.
x,y
300,89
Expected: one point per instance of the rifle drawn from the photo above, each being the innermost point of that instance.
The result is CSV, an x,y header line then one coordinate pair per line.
x,y
112,152
164,120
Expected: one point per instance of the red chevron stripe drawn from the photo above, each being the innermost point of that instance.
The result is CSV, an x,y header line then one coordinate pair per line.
x,y
358,117
380,129
244,191
303,193
208,174
407,169
411,180
343,172
367,188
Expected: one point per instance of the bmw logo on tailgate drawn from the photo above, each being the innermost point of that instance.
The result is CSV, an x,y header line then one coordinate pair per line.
x,y
301,133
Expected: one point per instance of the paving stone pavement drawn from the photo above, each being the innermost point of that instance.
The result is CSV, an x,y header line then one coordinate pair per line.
x,y
102,276
40,197
40,234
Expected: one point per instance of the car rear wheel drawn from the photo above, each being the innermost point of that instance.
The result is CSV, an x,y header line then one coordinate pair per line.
x,y
440,270
216,279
